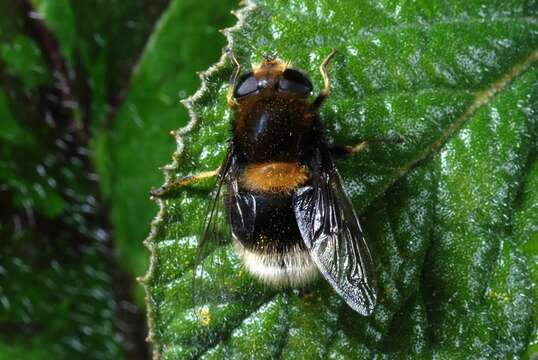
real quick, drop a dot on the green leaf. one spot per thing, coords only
(22, 58)
(442, 212)
(101, 41)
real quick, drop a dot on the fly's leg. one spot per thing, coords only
(230, 98)
(348, 150)
(176, 185)
(326, 81)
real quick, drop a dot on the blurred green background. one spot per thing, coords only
(89, 92)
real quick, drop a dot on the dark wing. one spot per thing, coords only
(331, 231)
(220, 285)
(213, 259)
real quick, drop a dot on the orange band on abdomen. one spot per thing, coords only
(274, 177)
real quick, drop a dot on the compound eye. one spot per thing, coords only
(295, 81)
(247, 84)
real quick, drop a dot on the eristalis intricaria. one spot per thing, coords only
(286, 210)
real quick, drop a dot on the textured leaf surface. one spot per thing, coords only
(449, 214)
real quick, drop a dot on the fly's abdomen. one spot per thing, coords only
(264, 226)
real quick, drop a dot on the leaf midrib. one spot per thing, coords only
(482, 98)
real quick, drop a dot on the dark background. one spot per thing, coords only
(89, 90)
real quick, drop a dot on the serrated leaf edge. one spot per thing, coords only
(246, 7)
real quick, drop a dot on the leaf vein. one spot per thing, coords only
(481, 99)
(372, 31)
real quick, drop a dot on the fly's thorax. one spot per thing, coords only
(274, 127)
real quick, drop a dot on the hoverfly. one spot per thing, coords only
(281, 194)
